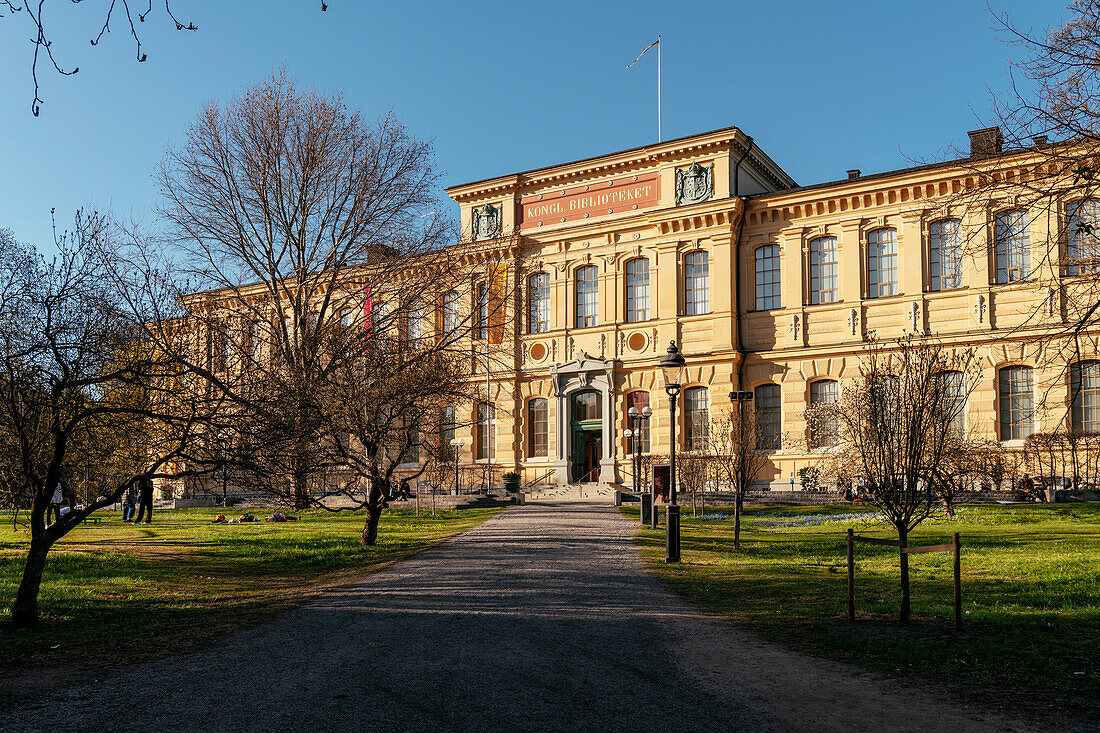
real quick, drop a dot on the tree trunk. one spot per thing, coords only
(24, 613)
(376, 502)
(904, 557)
(301, 491)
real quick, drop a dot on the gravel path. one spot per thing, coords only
(541, 619)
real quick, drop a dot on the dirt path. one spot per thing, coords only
(541, 619)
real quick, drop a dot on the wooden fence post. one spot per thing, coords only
(958, 585)
(851, 578)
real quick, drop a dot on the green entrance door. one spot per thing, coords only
(586, 437)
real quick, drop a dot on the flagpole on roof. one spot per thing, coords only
(658, 87)
(656, 43)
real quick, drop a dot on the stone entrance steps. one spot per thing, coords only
(572, 492)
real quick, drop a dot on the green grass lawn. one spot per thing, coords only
(116, 593)
(1030, 583)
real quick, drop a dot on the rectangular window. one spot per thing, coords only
(411, 453)
(538, 308)
(450, 313)
(637, 290)
(482, 312)
(1083, 237)
(882, 262)
(823, 417)
(587, 296)
(768, 417)
(696, 283)
(1085, 394)
(767, 277)
(1016, 402)
(1013, 246)
(696, 419)
(945, 254)
(415, 323)
(447, 424)
(539, 434)
(823, 270)
(486, 430)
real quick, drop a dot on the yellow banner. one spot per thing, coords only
(497, 294)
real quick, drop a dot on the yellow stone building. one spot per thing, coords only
(765, 286)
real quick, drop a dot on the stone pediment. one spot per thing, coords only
(583, 372)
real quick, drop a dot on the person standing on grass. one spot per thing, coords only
(53, 514)
(145, 501)
(128, 502)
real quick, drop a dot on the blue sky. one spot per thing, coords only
(506, 86)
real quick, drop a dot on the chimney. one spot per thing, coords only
(1039, 141)
(986, 142)
(853, 174)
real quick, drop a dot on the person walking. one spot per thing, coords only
(145, 501)
(128, 502)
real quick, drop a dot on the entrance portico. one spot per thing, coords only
(585, 424)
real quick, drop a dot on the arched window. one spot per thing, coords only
(1083, 237)
(769, 417)
(586, 406)
(639, 400)
(767, 277)
(1085, 394)
(587, 296)
(823, 418)
(637, 290)
(945, 254)
(538, 434)
(953, 388)
(823, 270)
(486, 430)
(1013, 246)
(696, 418)
(538, 303)
(450, 313)
(1016, 402)
(696, 283)
(882, 262)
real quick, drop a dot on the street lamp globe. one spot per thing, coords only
(633, 413)
(672, 368)
(647, 412)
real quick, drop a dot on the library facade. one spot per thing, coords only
(765, 286)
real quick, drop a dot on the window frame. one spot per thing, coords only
(767, 282)
(696, 418)
(766, 438)
(647, 445)
(881, 263)
(538, 428)
(1084, 398)
(636, 313)
(696, 283)
(936, 259)
(486, 431)
(538, 302)
(1002, 249)
(830, 437)
(1005, 408)
(817, 264)
(587, 298)
(1073, 264)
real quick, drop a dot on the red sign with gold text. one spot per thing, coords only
(617, 196)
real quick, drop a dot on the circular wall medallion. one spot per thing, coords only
(538, 351)
(637, 341)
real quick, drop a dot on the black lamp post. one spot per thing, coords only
(672, 368)
(635, 434)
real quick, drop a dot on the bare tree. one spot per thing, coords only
(898, 422)
(738, 457)
(693, 472)
(333, 310)
(81, 387)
